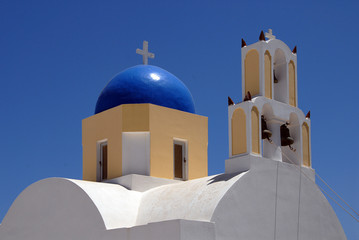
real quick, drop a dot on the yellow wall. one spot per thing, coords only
(268, 74)
(255, 130)
(292, 90)
(135, 118)
(306, 146)
(239, 136)
(105, 125)
(164, 124)
(251, 71)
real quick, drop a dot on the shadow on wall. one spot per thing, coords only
(223, 177)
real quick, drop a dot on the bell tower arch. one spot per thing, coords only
(280, 73)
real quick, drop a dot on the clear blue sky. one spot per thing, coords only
(56, 56)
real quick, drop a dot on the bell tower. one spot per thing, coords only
(268, 123)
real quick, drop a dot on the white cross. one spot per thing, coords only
(269, 34)
(145, 53)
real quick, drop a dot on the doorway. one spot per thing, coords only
(180, 159)
(102, 160)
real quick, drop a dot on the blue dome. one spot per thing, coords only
(145, 84)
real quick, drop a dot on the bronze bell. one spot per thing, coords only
(286, 139)
(266, 133)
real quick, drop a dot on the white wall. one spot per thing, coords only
(136, 153)
(274, 201)
(270, 201)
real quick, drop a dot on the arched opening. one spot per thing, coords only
(292, 88)
(280, 85)
(306, 146)
(268, 74)
(291, 155)
(239, 136)
(271, 150)
(251, 72)
(255, 130)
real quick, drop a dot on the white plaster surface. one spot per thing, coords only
(270, 201)
(191, 200)
(265, 205)
(117, 206)
(136, 153)
(238, 163)
(141, 183)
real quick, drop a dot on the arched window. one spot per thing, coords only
(251, 72)
(292, 88)
(255, 130)
(239, 136)
(268, 74)
(306, 146)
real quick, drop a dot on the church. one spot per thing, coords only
(145, 164)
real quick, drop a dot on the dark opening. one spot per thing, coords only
(178, 152)
(104, 161)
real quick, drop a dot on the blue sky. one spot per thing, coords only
(56, 56)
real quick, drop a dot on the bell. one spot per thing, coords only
(275, 77)
(286, 139)
(266, 133)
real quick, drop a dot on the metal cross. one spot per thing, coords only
(145, 53)
(269, 34)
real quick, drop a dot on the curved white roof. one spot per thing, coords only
(272, 198)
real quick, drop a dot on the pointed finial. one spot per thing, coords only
(230, 101)
(243, 43)
(294, 50)
(308, 115)
(247, 97)
(261, 37)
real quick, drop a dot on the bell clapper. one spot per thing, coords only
(291, 148)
